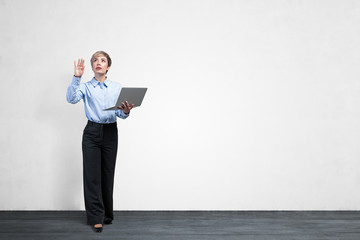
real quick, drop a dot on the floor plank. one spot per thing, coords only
(176, 225)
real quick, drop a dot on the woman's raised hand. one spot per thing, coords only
(79, 67)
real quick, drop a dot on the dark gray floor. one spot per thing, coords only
(194, 225)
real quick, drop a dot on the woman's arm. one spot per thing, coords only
(74, 93)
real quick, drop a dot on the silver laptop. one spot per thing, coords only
(132, 95)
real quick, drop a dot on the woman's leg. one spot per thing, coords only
(108, 160)
(91, 146)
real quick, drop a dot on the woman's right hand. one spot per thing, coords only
(79, 67)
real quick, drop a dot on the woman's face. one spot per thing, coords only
(100, 64)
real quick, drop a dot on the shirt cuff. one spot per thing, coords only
(76, 80)
(120, 113)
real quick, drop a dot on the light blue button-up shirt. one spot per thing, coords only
(97, 96)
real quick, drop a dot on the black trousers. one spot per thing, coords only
(99, 145)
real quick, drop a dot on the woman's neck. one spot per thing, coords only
(100, 77)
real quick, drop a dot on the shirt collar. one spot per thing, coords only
(94, 82)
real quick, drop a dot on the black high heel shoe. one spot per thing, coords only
(97, 230)
(108, 222)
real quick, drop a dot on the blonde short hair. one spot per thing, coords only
(101, 53)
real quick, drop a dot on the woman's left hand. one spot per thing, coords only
(126, 107)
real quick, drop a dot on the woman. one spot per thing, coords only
(100, 137)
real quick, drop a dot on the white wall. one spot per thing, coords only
(252, 105)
